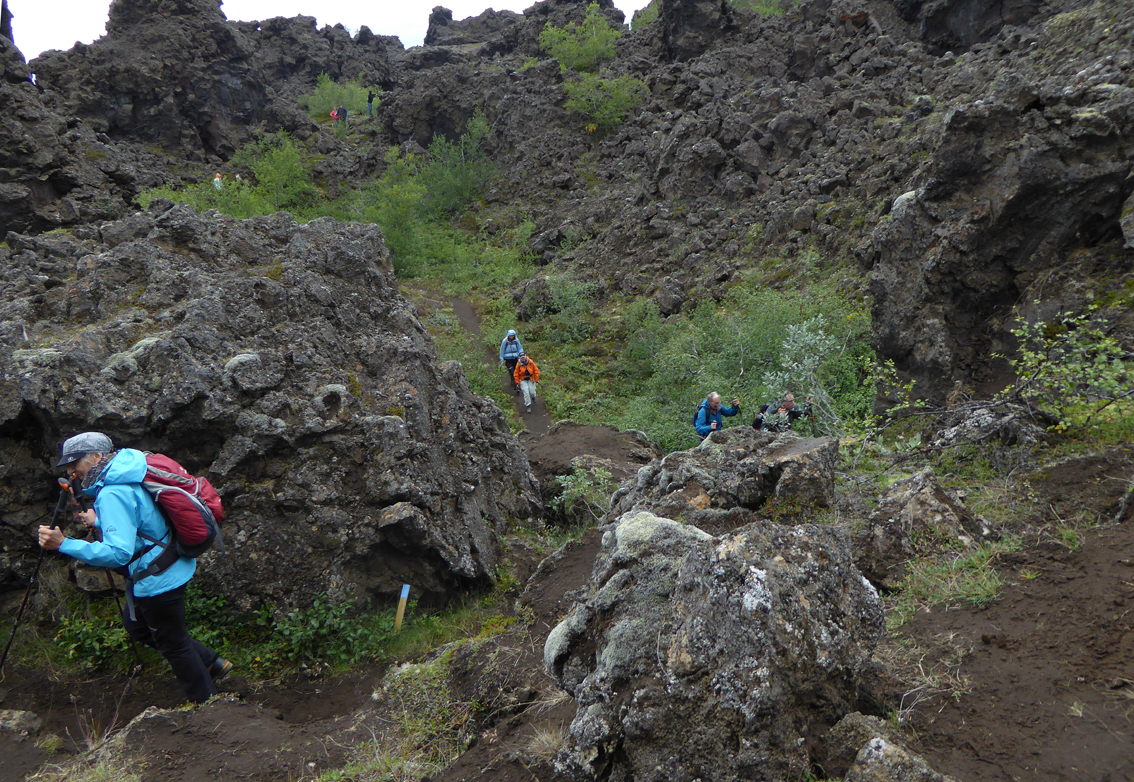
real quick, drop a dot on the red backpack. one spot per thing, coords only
(190, 505)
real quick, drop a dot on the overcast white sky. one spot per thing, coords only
(38, 25)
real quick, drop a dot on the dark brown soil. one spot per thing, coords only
(1042, 687)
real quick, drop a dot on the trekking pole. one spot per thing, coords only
(109, 580)
(60, 506)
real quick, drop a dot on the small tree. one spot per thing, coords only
(581, 47)
(645, 16)
(457, 171)
(281, 178)
(605, 102)
(1071, 368)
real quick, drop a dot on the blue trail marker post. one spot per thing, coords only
(401, 608)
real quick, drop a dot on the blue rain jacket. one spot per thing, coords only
(511, 349)
(124, 508)
(705, 418)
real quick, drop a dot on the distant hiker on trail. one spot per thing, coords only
(510, 352)
(708, 418)
(339, 115)
(780, 415)
(527, 375)
(126, 515)
(334, 118)
(370, 103)
(217, 183)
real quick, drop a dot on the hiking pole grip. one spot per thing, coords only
(60, 506)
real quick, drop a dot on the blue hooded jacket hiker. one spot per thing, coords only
(510, 347)
(710, 413)
(124, 511)
(510, 352)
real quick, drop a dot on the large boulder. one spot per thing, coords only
(916, 516)
(692, 656)
(692, 26)
(738, 469)
(279, 359)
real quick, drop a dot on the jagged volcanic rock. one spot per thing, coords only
(279, 359)
(738, 469)
(693, 657)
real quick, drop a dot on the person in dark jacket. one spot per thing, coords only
(370, 103)
(709, 414)
(124, 511)
(780, 415)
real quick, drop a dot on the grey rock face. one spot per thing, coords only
(736, 468)
(279, 359)
(867, 749)
(691, 26)
(691, 656)
(1004, 217)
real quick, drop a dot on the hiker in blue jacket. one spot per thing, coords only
(124, 511)
(709, 414)
(510, 352)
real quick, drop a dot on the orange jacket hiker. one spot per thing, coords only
(526, 369)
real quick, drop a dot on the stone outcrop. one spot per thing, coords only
(1018, 212)
(280, 360)
(945, 26)
(737, 469)
(490, 25)
(916, 516)
(54, 170)
(693, 656)
(203, 95)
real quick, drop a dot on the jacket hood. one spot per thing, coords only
(510, 333)
(129, 466)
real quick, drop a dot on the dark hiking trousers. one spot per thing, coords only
(161, 624)
(511, 364)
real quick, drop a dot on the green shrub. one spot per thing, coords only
(645, 16)
(281, 177)
(1071, 368)
(572, 307)
(457, 171)
(93, 639)
(397, 205)
(282, 182)
(584, 495)
(605, 102)
(330, 94)
(327, 632)
(581, 47)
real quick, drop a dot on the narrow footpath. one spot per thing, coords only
(538, 421)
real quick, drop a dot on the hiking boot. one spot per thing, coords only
(220, 668)
(529, 408)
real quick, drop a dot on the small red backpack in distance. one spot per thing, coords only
(191, 506)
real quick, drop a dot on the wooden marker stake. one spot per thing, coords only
(401, 608)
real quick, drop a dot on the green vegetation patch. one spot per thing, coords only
(581, 47)
(329, 95)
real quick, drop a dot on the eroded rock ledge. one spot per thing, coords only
(280, 359)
